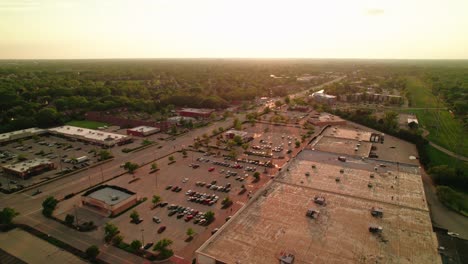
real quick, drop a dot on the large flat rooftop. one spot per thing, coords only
(144, 129)
(21, 133)
(274, 221)
(109, 195)
(343, 146)
(348, 133)
(90, 134)
(27, 165)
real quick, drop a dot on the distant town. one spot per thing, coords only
(232, 162)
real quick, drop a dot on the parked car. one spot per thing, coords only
(156, 219)
(148, 245)
(161, 229)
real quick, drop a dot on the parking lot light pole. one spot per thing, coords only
(142, 237)
(102, 175)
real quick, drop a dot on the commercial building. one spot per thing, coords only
(96, 137)
(195, 112)
(177, 120)
(20, 134)
(349, 147)
(306, 78)
(324, 119)
(230, 134)
(142, 131)
(28, 168)
(322, 97)
(276, 225)
(109, 199)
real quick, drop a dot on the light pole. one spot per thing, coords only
(142, 237)
(76, 215)
(102, 175)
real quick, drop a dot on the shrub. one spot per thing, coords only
(48, 206)
(92, 252)
(69, 219)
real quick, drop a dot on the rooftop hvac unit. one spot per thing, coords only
(114, 197)
(286, 258)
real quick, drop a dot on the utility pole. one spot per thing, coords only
(76, 215)
(102, 175)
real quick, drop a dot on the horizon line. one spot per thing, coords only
(234, 58)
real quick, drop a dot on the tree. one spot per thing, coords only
(130, 167)
(156, 200)
(390, 121)
(287, 100)
(21, 157)
(209, 216)
(135, 216)
(238, 140)
(161, 246)
(110, 230)
(117, 239)
(171, 158)
(7, 215)
(92, 252)
(226, 202)
(245, 146)
(184, 153)
(190, 232)
(278, 103)
(298, 143)
(136, 245)
(48, 206)
(146, 142)
(154, 166)
(104, 155)
(69, 219)
(233, 154)
(237, 124)
(256, 176)
(47, 117)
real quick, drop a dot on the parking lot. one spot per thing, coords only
(208, 181)
(277, 140)
(60, 151)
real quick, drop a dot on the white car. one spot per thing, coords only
(453, 234)
(185, 180)
(156, 219)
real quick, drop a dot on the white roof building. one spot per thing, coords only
(15, 135)
(90, 135)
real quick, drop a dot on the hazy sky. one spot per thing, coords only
(426, 29)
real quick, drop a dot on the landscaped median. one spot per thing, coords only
(112, 235)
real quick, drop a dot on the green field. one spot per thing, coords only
(444, 129)
(86, 124)
(437, 158)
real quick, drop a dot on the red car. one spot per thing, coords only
(161, 229)
(188, 218)
(211, 169)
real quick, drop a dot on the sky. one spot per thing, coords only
(80, 29)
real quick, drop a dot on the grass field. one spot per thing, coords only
(420, 93)
(437, 158)
(444, 129)
(86, 124)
